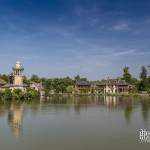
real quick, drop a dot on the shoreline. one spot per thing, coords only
(127, 95)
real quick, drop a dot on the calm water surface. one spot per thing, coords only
(74, 123)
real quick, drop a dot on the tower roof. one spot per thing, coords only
(18, 65)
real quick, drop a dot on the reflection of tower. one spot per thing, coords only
(15, 117)
(17, 73)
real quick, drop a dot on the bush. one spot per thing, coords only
(70, 89)
(31, 94)
(6, 95)
(17, 94)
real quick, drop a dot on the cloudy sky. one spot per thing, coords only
(93, 38)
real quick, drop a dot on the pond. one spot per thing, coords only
(74, 123)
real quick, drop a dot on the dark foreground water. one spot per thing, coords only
(75, 123)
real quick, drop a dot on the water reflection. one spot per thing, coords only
(145, 105)
(15, 119)
(15, 112)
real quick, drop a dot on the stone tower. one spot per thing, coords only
(18, 74)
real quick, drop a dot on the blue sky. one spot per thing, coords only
(93, 38)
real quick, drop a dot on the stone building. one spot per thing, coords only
(15, 78)
(38, 87)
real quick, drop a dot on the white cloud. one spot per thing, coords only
(121, 27)
(125, 52)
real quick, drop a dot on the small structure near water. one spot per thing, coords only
(38, 87)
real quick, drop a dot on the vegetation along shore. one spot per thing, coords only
(18, 86)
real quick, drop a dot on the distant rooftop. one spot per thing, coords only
(2, 82)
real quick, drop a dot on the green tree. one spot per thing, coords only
(77, 78)
(59, 85)
(35, 78)
(26, 81)
(126, 75)
(18, 94)
(7, 95)
(143, 85)
(48, 85)
(31, 94)
(70, 89)
(143, 74)
(68, 81)
(4, 77)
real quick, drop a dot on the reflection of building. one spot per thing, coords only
(15, 119)
(16, 78)
(110, 86)
(110, 101)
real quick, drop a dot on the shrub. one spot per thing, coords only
(6, 95)
(31, 94)
(17, 94)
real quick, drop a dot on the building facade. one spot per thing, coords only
(109, 86)
(15, 80)
(38, 87)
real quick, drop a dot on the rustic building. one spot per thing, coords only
(109, 86)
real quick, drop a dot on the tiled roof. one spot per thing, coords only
(110, 82)
(2, 82)
(83, 83)
(11, 85)
(38, 85)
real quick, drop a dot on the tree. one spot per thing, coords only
(26, 81)
(35, 78)
(31, 94)
(143, 85)
(7, 95)
(77, 78)
(143, 74)
(68, 81)
(4, 77)
(59, 85)
(126, 75)
(70, 89)
(17, 94)
(48, 85)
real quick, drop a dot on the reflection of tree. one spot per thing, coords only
(145, 104)
(128, 112)
(77, 108)
(4, 106)
(80, 102)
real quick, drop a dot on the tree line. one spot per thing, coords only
(66, 84)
